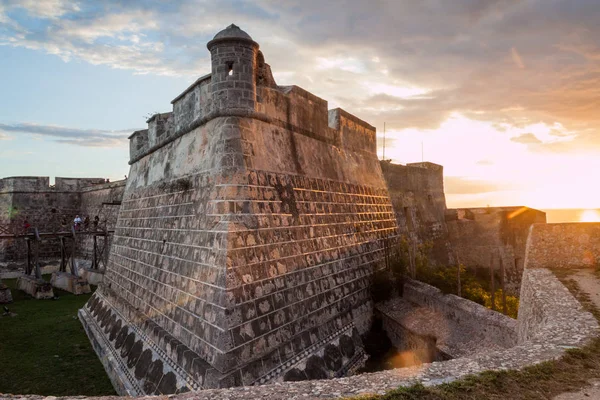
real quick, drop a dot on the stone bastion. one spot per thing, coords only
(550, 321)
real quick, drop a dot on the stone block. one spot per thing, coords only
(37, 288)
(70, 283)
(92, 276)
(5, 295)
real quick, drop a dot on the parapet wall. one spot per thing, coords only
(473, 321)
(565, 245)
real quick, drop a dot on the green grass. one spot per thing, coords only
(571, 372)
(44, 349)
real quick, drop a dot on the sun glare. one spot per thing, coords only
(590, 216)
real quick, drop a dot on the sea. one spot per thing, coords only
(572, 215)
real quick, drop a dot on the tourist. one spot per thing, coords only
(86, 223)
(96, 222)
(26, 226)
(77, 222)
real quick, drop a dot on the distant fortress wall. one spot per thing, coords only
(45, 206)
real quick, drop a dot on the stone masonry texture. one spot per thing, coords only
(250, 224)
(566, 245)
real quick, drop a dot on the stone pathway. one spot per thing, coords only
(589, 283)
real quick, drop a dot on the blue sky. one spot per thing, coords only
(503, 93)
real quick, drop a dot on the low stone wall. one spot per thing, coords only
(459, 326)
(564, 245)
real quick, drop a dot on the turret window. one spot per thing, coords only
(230, 68)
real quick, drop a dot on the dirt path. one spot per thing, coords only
(589, 283)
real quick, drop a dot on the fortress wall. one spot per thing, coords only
(243, 247)
(284, 296)
(489, 235)
(103, 201)
(417, 193)
(564, 245)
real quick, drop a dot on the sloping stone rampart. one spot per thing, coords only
(245, 240)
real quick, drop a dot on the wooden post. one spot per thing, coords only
(459, 291)
(63, 261)
(38, 271)
(503, 272)
(28, 268)
(94, 256)
(493, 286)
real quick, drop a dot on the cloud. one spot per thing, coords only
(485, 163)
(60, 134)
(526, 138)
(44, 8)
(411, 64)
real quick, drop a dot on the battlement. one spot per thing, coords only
(241, 85)
(42, 184)
(423, 176)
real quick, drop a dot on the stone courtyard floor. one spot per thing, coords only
(44, 349)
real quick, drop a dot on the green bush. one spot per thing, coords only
(445, 278)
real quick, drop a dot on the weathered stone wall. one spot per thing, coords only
(245, 240)
(417, 193)
(565, 245)
(494, 236)
(42, 205)
(460, 327)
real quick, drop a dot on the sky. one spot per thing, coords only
(505, 94)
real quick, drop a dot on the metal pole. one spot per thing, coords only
(383, 141)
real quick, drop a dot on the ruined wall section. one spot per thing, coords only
(417, 193)
(564, 245)
(489, 235)
(243, 247)
(44, 206)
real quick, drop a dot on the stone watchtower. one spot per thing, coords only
(250, 224)
(233, 56)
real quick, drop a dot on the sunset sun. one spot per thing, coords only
(590, 216)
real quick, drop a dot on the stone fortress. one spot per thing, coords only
(246, 235)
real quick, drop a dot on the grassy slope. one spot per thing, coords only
(44, 349)
(542, 381)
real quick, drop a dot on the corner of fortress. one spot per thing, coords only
(250, 224)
